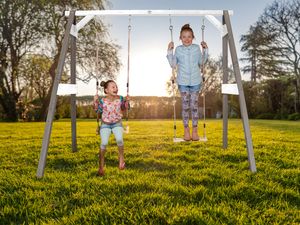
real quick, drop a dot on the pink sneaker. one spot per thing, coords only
(195, 136)
(187, 136)
(122, 166)
(101, 172)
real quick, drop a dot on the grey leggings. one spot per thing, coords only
(190, 103)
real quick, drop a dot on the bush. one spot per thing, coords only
(266, 116)
(294, 116)
(281, 116)
(56, 116)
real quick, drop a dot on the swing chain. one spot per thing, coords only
(202, 64)
(129, 23)
(170, 20)
(128, 70)
(173, 80)
(203, 79)
(128, 56)
(203, 26)
(171, 27)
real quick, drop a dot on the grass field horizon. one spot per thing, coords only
(163, 183)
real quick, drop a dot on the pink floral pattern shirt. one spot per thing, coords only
(111, 110)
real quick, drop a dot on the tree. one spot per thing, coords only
(20, 30)
(34, 75)
(30, 26)
(259, 48)
(272, 46)
(88, 41)
(34, 72)
(282, 19)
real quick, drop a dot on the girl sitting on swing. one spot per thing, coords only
(188, 58)
(111, 107)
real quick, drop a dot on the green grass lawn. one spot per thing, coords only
(163, 183)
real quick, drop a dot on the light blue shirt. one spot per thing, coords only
(188, 60)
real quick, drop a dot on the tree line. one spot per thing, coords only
(31, 38)
(141, 107)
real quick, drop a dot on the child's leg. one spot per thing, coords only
(121, 158)
(101, 162)
(118, 132)
(104, 133)
(195, 114)
(185, 97)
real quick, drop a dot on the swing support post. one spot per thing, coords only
(53, 100)
(73, 96)
(225, 81)
(242, 101)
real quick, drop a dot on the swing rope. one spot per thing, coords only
(97, 77)
(128, 71)
(203, 79)
(173, 79)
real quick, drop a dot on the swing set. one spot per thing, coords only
(71, 33)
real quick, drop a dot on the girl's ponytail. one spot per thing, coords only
(104, 84)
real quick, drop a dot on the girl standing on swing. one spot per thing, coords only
(111, 107)
(188, 58)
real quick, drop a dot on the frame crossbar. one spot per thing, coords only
(148, 12)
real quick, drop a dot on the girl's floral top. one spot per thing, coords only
(111, 110)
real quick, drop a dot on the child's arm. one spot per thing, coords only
(205, 51)
(171, 58)
(98, 104)
(125, 103)
(205, 55)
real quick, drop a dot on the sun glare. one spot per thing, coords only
(149, 73)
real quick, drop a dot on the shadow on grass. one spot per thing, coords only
(235, 160)
(150, 165)
(68, 164)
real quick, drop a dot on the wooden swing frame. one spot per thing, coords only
(71, 33)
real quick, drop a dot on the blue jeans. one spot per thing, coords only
(107, 129)
(187, 88)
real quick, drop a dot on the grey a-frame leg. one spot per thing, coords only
(225, 81)
(52, 105)
(73, 96)
(242, 101)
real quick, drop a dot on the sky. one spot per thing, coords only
(149, 68)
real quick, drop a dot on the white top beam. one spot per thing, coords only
(148, 12)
